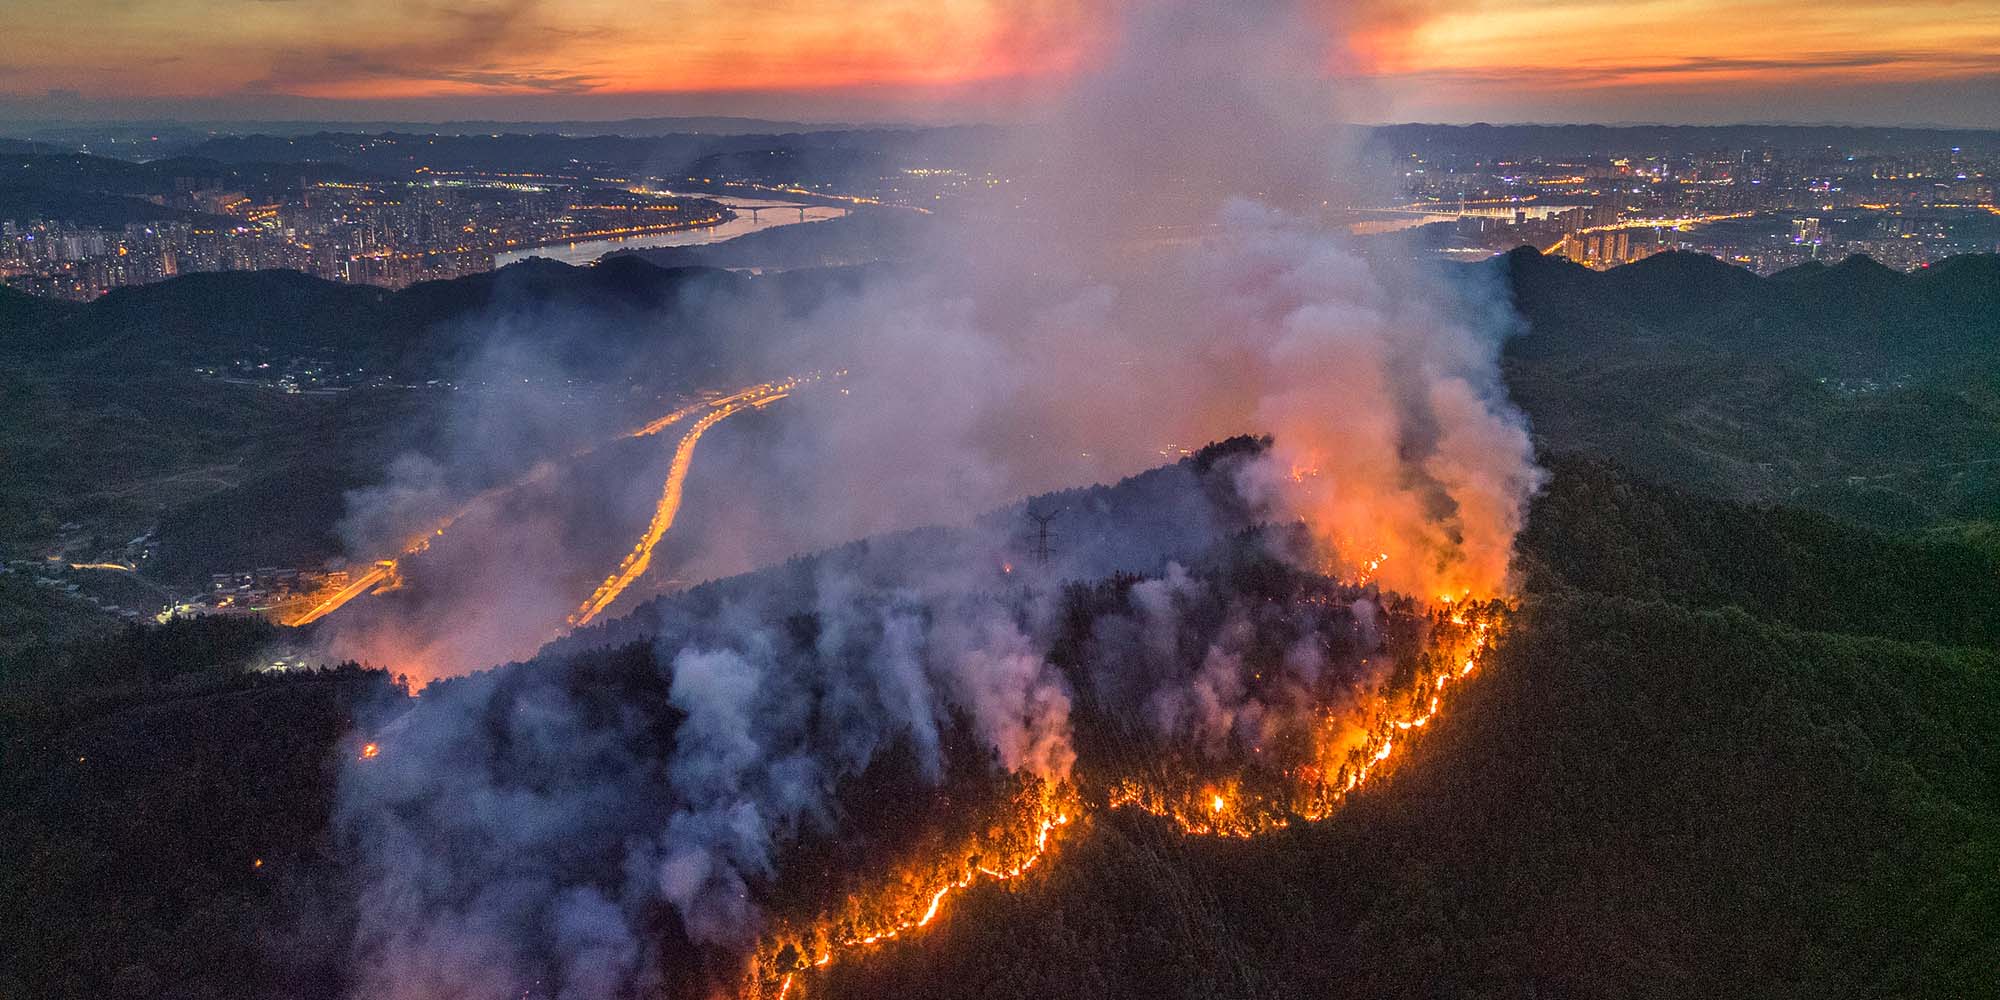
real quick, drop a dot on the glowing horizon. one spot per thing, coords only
(1887, 61)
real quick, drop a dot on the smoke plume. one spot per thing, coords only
(1158, 274)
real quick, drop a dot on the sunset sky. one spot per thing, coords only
(1875, 61)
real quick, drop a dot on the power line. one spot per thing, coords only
(1041, 541)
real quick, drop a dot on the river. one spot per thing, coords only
(585, 251)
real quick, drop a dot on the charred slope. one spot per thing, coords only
(1132, 526)
(1664, 785)
(1639, 799)
(1672, 780)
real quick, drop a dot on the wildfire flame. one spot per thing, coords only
(1348, 749)
(915, 899)
(1337, 764)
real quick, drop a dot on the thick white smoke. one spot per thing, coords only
(1159, 274)
(1158, 277)
(516, 829)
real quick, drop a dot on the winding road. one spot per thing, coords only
(719, 408)
(641, 557)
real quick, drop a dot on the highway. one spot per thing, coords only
(754, 396)
(359, 586)
(640, 558)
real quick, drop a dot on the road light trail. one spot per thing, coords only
(641, 557)
(130, 571)
(747, 393)
(385, 569)
(359, 586)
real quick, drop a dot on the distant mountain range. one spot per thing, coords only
(416, 333)
(51, 129)
(275, 162)
(1851, 388)
(1642, 140)
(147, 140)
(1848, 319)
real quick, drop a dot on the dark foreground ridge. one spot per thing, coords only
(1681, 775)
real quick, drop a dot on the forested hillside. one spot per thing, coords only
(1639, 799)
(1685, 772)
(1852, 389)
(155, 406)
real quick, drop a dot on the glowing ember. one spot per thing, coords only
(872, 919)
(370, 751)
(1339, 762)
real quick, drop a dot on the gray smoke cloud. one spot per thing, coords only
(1159, 273)
(1158, 276)
(519, 835)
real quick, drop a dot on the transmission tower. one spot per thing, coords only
(1041, 538)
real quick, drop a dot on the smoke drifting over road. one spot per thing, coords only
(1158, 279)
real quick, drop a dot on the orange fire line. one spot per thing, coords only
(1043, 832)
(1128, 795)
(1481, 641)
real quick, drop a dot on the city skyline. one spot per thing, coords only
(1693, 61)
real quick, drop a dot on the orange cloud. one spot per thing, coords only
(1422, 53)
(1607, 42)
(388, 48)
